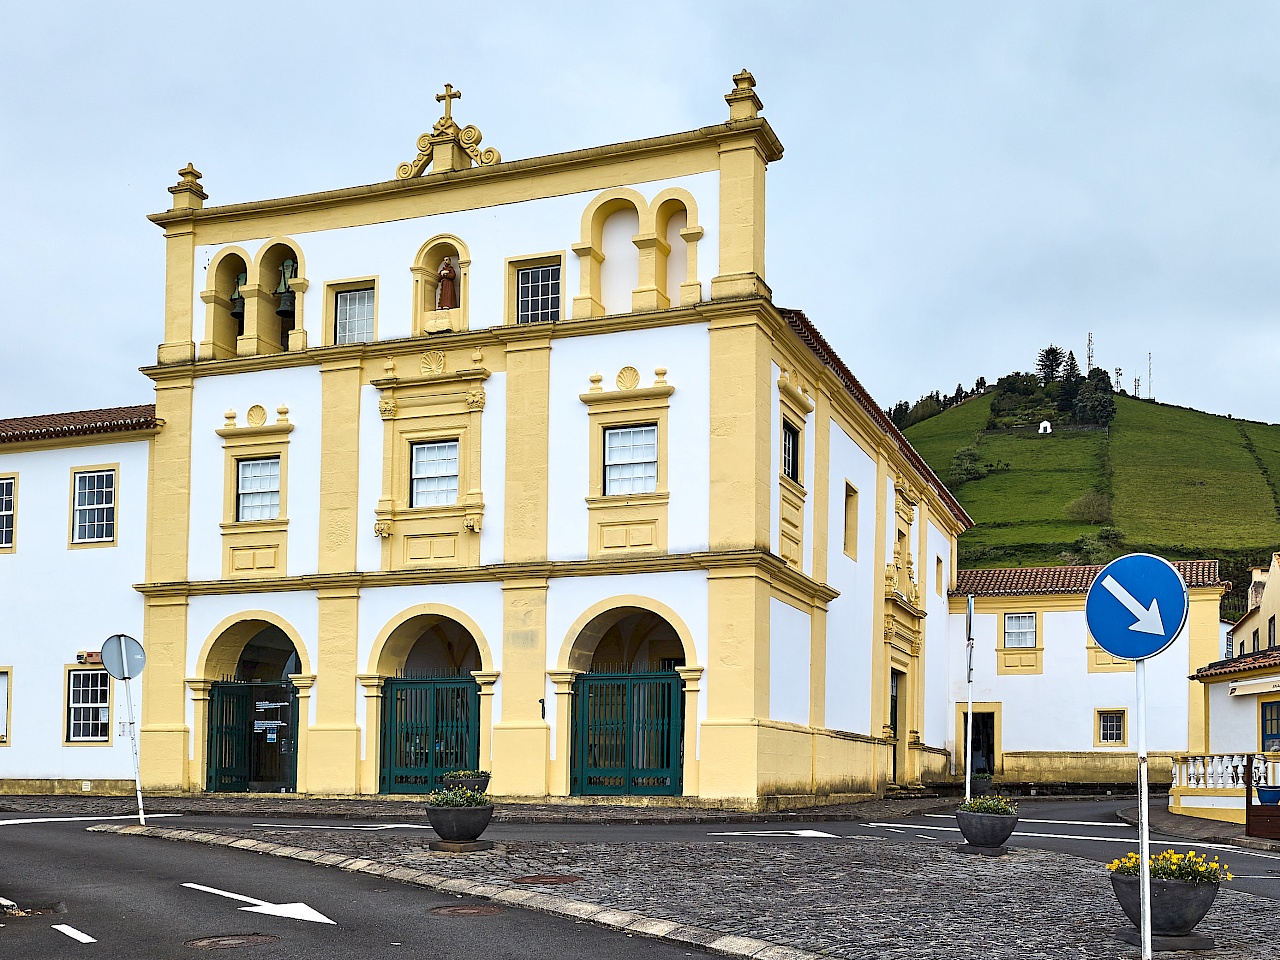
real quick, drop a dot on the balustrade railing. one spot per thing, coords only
(1224, 771)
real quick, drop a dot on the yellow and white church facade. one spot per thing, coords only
(508, 464)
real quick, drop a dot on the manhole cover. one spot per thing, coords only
(231, 941)
(468, 910)
(548, 878)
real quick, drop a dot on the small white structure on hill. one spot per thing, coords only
(1046, 426)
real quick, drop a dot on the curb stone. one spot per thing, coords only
(731, 945)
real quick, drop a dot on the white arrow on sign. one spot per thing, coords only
(1148, 618)
(775, 833)
(293, 911)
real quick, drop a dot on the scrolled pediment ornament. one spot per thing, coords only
(467, 137)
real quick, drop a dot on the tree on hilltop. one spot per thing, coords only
(1049, 363)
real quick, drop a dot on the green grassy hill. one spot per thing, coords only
(1182, 483)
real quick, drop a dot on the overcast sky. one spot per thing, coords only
(963, 182)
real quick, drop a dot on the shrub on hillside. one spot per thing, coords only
(1093, 508)
(966, 465)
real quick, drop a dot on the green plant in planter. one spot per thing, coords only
(990, 804)
(458, 797)
(982, 776)
(1190, 867)
(468, 775)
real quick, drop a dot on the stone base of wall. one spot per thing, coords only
(40, 787)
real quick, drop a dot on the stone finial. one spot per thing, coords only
(660, 376)
(282, 414)
(230, 418)
(742, 99)
(596, 380)
(188, 194)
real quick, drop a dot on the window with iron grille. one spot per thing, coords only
(434, 473)
(538, 294)
(258, 489)
(1111, 726)
(790, 451)
(354, 316)
(631, 459)
(88, 705)
(7, 485)
(95, 507)
(1271, 632)
(1019, 629)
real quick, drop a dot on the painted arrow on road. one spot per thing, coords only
(1148, 618)
(292, 911)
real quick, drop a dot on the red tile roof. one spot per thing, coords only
(809, 335)
(79, 423)
(1249, 661)
(1018, 581)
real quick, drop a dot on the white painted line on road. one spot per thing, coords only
(334, 826)
(7, 904)
(776, 833)
(126, 816)
(1074, 823)
(73, 933)
(293, 911)
(892, 829)
(923, 837)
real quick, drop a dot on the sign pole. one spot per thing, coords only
(968, 717)
(133, 740)
(1144, 816)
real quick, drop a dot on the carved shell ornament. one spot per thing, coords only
(257, 415)
(433, 363)
(628, 378)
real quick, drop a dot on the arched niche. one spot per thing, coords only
(623, 201)
(228, 270)
(450, 635)
(675, 226)
(630, 631)
(221, 656)
(428, 317)
(265, 330)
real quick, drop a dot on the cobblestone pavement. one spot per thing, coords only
(399, 808)
(852, 898)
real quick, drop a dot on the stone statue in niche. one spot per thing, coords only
(448, 289)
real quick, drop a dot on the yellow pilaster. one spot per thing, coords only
(883, 555)
(197, 769)
(692, 677)
(339, 464)
(528, 400)
(304, 683)
(486, 679)
(1203, 649)
(742, 176)
(562, 767)
(163, 746)
(370, 763)
(521, 741)
(333, 745)
(740, 435)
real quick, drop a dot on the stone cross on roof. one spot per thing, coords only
(448, 147)
(448, 96)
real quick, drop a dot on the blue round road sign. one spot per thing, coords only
(1136, 606)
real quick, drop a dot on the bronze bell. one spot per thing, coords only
(237, 299)
(288, 270)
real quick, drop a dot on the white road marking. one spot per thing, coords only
(327, 826)
(923, 837)
(73, 933)
(891, 829)
(126, 816)
(776, 833)
(1076, 823)
(7, 904)
(293, 911)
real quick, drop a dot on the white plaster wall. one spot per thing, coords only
(492, 234)
(790, 644)
(568, 598)
(1233, 721)
(56, 601)
(851, 626)
(620, 269)
(685, 352)
(1055, 710)
(369, 546)
(297, 388)
(809, 475)
(678, 258)
(937, 638)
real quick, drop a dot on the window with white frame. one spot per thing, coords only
(88, 706)
(631, 459)
(1019, 629)
(95, 507)
(538, 294)
(353, 316)
(7, 485)
(1111, 726)
(434, 474)
(791, 451)
(258, 489)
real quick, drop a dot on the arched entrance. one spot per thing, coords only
(253, 711)
(628, 705)
(431, 706)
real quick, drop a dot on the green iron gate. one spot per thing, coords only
(429, 728)
(628, 734)
(253, 737)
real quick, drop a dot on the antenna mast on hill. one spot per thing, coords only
(1119, 378)
(1137, 386)
(1149, 394)
(1088, 363)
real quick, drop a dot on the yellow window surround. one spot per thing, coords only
(72, 542)
(432, 404)
(795, 407)
(67, 670)
(1124, 727)
(12, 545)
(850, 521)
(6, 680)
(512, 268)
(254, 548)
(1020, 660)
(1102, 662)
(631, 523)
(329, 335)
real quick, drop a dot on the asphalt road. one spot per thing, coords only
(127, 894)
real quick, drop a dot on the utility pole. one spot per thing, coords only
(1119, 377)
(1088, 363)
(1149, 393)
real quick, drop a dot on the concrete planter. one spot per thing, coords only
(981, 786)
(459, 824)
(478, 784)
(1176, 905)
(988, 830)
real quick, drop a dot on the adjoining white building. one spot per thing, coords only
(73, 524)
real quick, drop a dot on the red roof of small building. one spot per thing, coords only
(1018, 581)
(78, 423)
(1248, 661)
